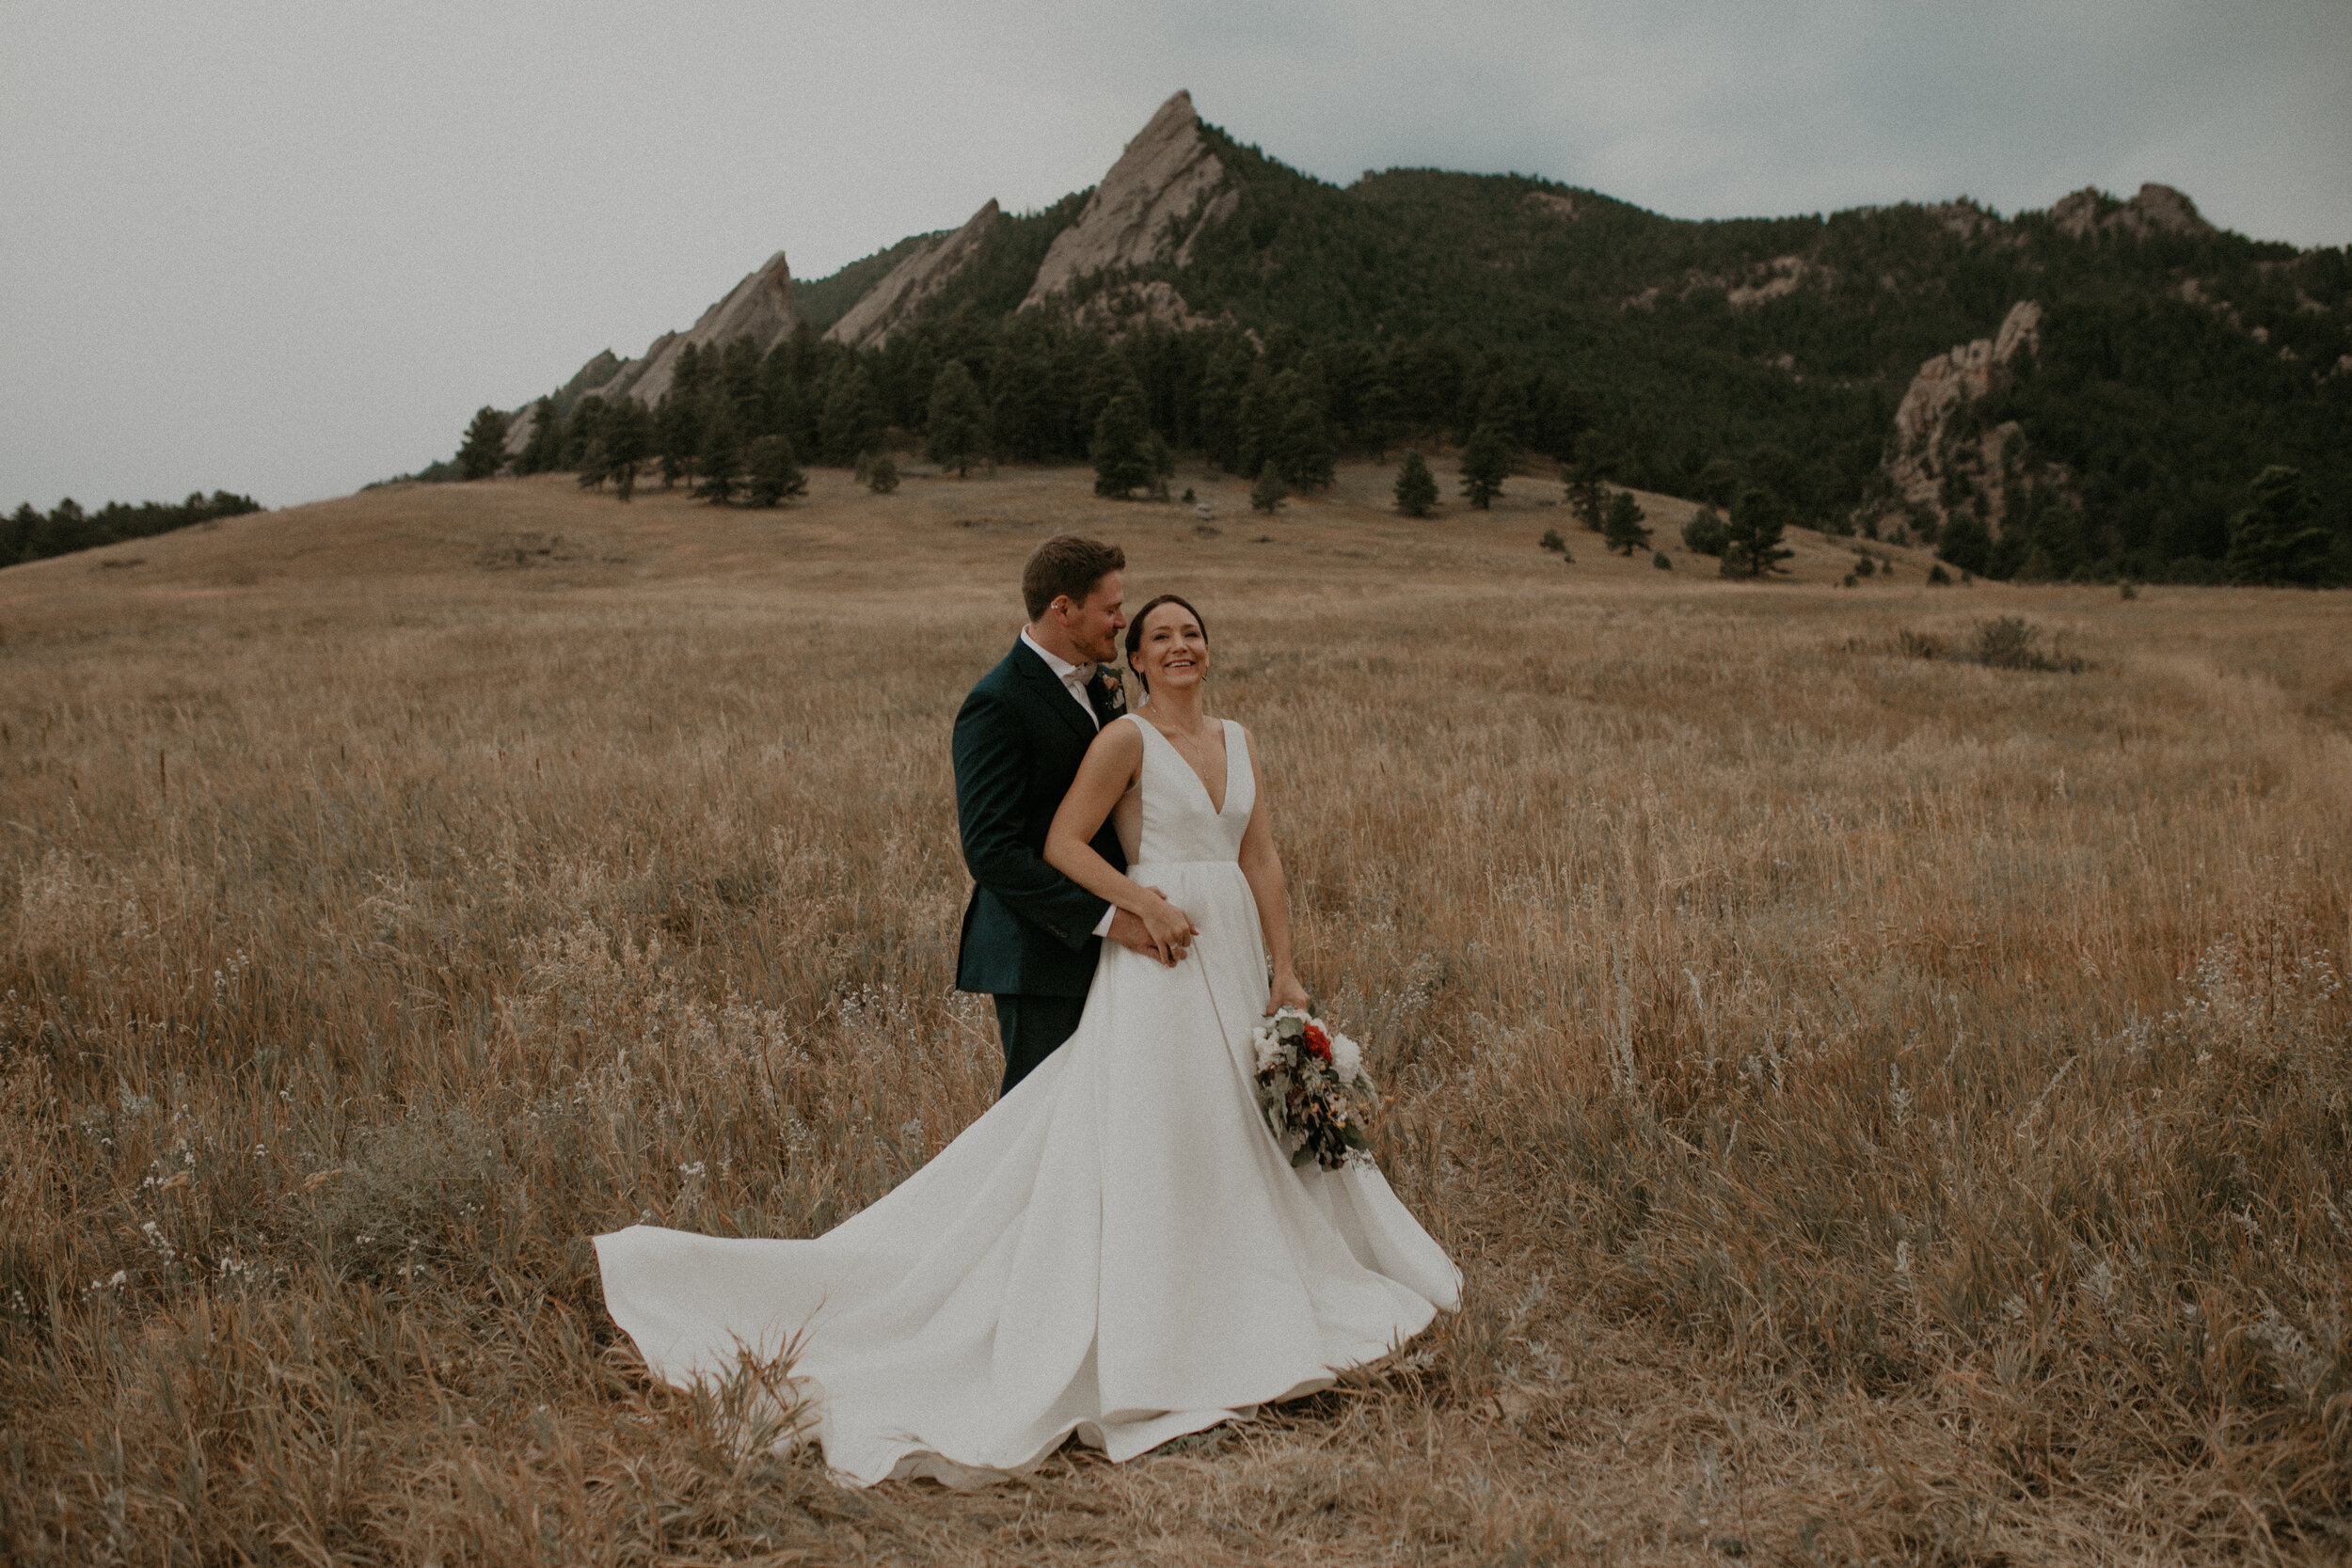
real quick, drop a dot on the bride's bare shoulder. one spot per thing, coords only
(1119, 742)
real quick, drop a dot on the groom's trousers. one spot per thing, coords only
(1031, 1027)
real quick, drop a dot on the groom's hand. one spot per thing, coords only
(1133, 934)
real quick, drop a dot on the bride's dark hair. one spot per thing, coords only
(1134, 630)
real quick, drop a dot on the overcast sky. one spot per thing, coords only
(289, 247)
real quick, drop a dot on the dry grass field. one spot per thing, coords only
(1888, 1109)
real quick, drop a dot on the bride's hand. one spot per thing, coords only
(1171, 929)
(1287, 993)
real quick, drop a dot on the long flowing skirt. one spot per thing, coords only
(1117, 1248)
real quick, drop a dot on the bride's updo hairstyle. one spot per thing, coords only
(1134, 630)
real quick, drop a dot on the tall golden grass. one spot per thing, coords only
(1887, 1108)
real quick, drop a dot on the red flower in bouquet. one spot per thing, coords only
(1318, 1101)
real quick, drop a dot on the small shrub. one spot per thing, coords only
(1864, 566)
(1662, 561)
(882, 475)
(2008, 642)
(2130, 589)
(1189, 495)
(1551, 541)
(1938, 576)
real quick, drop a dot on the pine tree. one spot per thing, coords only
(596, 464)
(1122, 461)
(771, 475)
(580, 430)
(1303, 443)
(881, 473)
(1587, 496)
(1022, 408)
(739, 382)
(1622, 529)
(1256, 429)
(1754, 546)
(678, 432)
(1965, 542)
(851, 424)
(2277, 539)
(1162, 463)
(1416, 487)
(1222, 387)
(17, 534)
(1485, 465)
(483, 451)
(545, 441)
(627, 442)
(956, 434)
(1378, 414)
(720, 458)
(1267, 494)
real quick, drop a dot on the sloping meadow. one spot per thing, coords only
(1886, 1108)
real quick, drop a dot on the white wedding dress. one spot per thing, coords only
(1118, 1248)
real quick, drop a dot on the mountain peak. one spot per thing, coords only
(2155, 210)
(893, 302)
(1158, 185)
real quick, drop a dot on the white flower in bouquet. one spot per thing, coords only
(1347, 1059)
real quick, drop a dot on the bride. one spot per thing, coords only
(1118, 1248)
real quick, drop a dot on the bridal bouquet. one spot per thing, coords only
(1314, 1089)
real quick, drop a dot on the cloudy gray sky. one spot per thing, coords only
(286, 246)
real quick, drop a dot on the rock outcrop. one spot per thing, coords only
(1779, 277)
(761, 307)
(1164, 191)
(893, 302)
(2157, 209)
(590, 377)
(1939, 458)
(1118, 311)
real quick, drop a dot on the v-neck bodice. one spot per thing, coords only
(1179, 822)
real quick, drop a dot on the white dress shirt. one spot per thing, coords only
(1073, 678)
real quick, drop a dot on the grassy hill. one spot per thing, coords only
(1886, 1107)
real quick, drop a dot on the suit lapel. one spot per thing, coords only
(1051, 691)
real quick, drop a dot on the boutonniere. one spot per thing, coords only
(1116, 698)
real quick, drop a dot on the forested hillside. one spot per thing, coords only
(30, 534)
(1756, 361)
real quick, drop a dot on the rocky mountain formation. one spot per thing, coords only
(759, 307)
(906, 288)
(1829, 339)
(1166, 190)
(1939, 460)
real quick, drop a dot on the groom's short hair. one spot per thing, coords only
(1067, 564)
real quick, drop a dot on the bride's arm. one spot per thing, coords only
(1108, 770)
(1263, 865)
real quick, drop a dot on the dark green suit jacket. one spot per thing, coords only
(1029, 930)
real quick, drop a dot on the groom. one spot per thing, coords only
(1030, 934)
